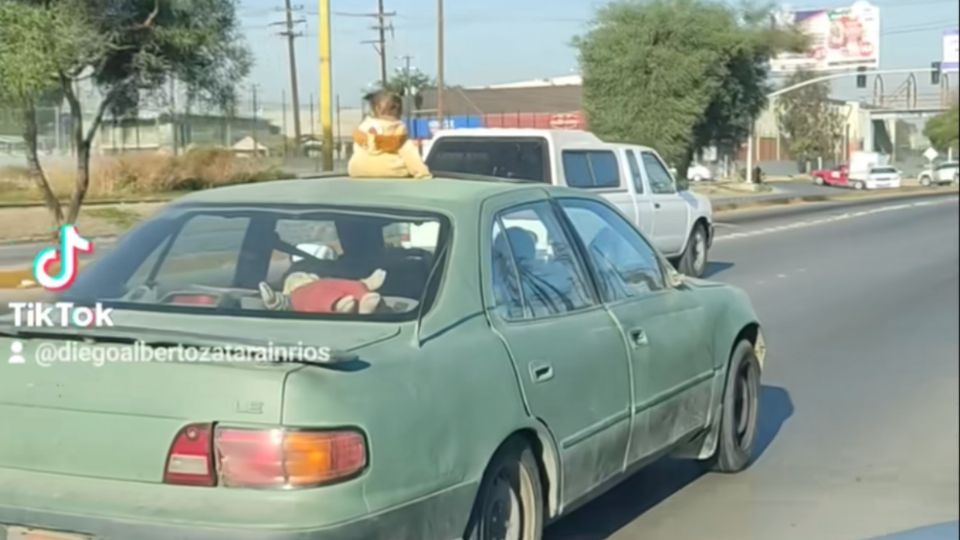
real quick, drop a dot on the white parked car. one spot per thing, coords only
(634, 178)
(699, 173)
(947, 172)
(883, 177)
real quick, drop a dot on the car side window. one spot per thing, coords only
(591, 169)
(661, 182)
(635, 171)
(624, 263)
(536, 272)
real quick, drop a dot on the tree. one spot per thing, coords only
(410, 82)
(942, 130)
(812, 125)
(678, 75)
(128, 49)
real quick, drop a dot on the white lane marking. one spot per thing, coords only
(782, 276)
(830, 219)
(720, 225)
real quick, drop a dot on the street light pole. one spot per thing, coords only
(440, 62)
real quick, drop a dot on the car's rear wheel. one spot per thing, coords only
(741, 407)
(859, 186)
(818, 181)
(925, 181)
(693, 262)
(509, 505)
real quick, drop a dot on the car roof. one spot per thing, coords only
(444, 193)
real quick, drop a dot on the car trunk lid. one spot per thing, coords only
(79, 404)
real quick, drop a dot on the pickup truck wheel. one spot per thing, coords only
(509, 505)
(693, 262)
(925, 181)
(859, 186)
(741, 404)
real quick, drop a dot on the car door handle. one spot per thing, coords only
(638, 337)
(541, 372)
(656, 205)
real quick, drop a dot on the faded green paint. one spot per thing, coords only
(84, 448)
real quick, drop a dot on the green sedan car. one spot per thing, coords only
(357, 359)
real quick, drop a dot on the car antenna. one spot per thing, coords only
(438, 260)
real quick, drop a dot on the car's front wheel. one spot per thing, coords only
(693, 262)
(509, 505)
(741, 407)
(859, 186)
(925, 181)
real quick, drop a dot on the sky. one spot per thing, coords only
(497, 41)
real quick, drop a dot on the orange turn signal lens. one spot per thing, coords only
(281, 458)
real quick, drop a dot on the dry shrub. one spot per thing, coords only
(150, 173)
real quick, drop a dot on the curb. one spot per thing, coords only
(721, 208)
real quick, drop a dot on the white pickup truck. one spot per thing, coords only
(634, 178)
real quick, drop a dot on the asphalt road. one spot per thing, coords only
(859, 422)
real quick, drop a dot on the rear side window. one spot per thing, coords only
(591, 169)
(520, 158)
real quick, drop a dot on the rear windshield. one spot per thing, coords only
(883, 170)
(285, 261)
(521, 158)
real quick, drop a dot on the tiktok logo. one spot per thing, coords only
(71, 245)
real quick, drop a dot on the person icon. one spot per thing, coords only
(16, 353)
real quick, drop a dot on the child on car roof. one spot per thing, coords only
(381, 146)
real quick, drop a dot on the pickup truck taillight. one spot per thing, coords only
(264, 458)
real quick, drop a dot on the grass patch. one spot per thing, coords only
(119, 217)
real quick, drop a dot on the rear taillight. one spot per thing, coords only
(281, 458)
(190, 461)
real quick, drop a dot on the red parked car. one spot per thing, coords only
(837, 176)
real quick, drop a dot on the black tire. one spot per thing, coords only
(818, 181)
(859, 186)
(693, 262)
(925, 181)
(511, 478)
(741, 408)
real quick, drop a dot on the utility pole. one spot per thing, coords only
(291, 36)
(283, 108)
(408, 91)
(380, 44)
(440, 63)
(326, 83)
(173, 114)
(313, 125)
(256, 144)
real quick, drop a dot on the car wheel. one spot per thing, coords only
(693, 262)
(818, 181)
(859, 186)
(741, 404)
(925, 181)
(509, 505)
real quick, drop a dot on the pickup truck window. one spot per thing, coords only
(591, 169)
(521, 158)
(660, 180)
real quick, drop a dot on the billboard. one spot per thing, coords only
(951, 50)
(840, 39)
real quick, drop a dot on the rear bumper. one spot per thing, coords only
(441, 515)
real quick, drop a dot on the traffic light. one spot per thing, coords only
(861, 79)
(935, 73)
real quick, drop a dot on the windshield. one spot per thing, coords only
(883, 170)
(282, 261)
(505, 157)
